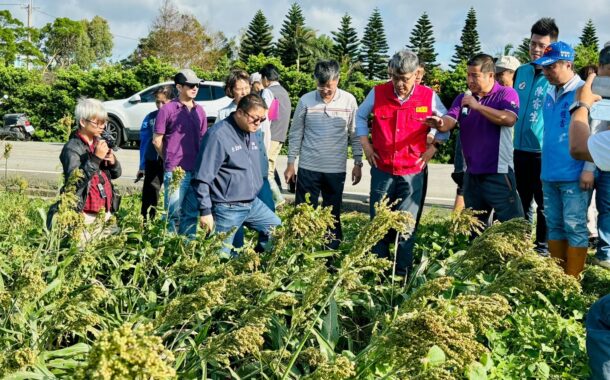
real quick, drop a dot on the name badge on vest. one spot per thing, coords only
(422, 109)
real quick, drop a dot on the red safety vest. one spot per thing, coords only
(399, 132)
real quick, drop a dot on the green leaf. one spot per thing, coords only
(64, 363)
(487, 361)
(319, 254)
(325, 347)
(22, 375)
(435, 356)
(330, 325)
(542, 370)
(476, 371)
(77, 349)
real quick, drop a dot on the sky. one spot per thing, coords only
(499, 23)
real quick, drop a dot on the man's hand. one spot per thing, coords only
(587, 180)
(369, 152)
(585, 94)
(426, 156)
(139, 176)
(356, 174)
(207, 223)
(470, 101)
(289, 173)
(101, 149)
(110, 158)
(434, 122)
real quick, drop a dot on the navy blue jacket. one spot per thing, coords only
(147, 149)
(228, 167)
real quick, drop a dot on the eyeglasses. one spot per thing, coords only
(96, 123)
(403, 78)
(253, 119)
(191, 85)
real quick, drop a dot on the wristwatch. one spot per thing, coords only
(577, 104)
(360, 164)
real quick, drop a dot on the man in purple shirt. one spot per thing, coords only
(179, 127)
(486, 114)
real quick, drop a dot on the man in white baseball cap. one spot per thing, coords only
(506, 66)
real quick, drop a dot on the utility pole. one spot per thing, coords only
(30, 9)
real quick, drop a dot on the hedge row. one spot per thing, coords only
(49, 97)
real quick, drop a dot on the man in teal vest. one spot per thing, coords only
(531, 86)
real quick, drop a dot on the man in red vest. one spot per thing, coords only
(399, 150)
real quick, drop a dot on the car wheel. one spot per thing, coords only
(115, 131)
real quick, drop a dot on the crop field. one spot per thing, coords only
(144, 304)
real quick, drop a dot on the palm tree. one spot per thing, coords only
(303, 43)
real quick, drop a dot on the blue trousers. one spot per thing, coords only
(173, 198)
(265, 195)
(228, 217)
(407, 190)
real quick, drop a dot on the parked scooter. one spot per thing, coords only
(16, 126)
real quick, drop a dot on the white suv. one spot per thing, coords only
(125, 116)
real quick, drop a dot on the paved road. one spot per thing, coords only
(39, 163)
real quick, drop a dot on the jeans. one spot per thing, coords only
(529, 186)
(255, 215)
(173, 198)
(229, 217)
(266, 196)
(407, 189)
(497, 192)
(602, 199)
(153, 179)
(331, 185)
(566, 212)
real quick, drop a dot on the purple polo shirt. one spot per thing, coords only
(487, 147)
(182, 130)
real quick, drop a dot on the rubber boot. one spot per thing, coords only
(558, 250)
(576, 260)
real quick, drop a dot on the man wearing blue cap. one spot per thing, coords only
(566, 195)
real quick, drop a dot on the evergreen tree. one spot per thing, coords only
(422, 40)
(257, 38)
(470, 44)
(346, 41)
(589, 36)
(523, 51)
(374, 51)
(293, 34)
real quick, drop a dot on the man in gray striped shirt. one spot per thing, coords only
(323, 123)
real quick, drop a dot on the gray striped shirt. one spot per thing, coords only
(320, 132)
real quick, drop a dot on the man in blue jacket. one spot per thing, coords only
(531, 86)
(228, 176)
(566, 196)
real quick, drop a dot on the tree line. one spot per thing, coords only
(89, 43)
(71, 58)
